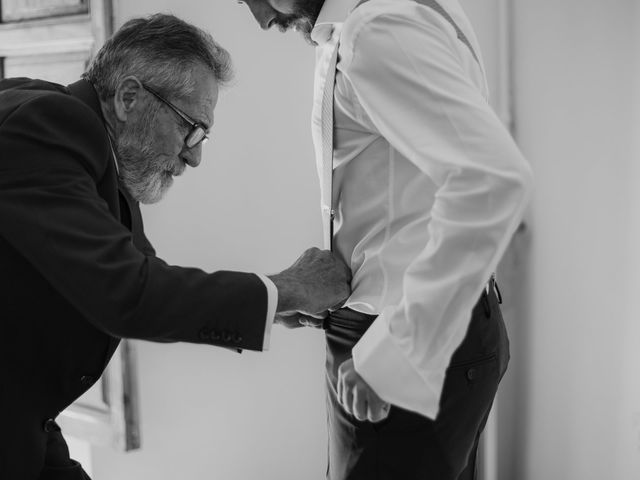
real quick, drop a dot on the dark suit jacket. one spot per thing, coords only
(77, 273)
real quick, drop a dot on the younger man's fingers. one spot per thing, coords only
(346, 399)
(359, 405)
(378, 411)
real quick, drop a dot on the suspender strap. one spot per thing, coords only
(438, 8)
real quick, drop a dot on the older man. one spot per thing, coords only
(422, 188)
(78, 273)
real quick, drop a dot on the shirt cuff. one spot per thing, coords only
(380, 361)
(272, 304)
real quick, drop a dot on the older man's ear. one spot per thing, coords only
(127, 97)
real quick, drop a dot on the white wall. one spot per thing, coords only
(571, 396)
(629, 453)
(574, 66)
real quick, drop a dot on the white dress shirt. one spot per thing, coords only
(428, 185)
(272, 305)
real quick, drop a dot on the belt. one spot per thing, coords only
(354, 320)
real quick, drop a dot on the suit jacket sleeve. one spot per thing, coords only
(54, 152)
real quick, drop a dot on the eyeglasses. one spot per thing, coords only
(198, 133)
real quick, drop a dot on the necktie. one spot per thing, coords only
(326, 186)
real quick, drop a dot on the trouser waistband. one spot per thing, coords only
(358, 321)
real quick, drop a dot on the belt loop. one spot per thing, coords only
(485, 300)
(495, 286)
(486, 305)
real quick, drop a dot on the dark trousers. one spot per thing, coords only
(406, 445)
(58, 464)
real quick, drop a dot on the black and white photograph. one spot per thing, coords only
(320, 239)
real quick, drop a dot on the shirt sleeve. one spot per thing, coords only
(272, 304)
(407, 74)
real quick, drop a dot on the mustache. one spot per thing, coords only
(286, 22)
(178, 169)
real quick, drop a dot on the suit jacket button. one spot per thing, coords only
(50, 426)
(204, 334)
(215, 336)
(226, 337)
(86, 380)
(471, 374)
(237, 338)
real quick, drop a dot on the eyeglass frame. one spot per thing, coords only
(195, 125)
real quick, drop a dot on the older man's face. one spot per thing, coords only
(286, 14)
(151, 148)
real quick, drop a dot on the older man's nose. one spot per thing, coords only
(193, 156)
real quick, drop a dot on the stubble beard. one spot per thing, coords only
(303, 20)
(143, 176)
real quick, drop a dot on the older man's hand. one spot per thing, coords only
(316, 282)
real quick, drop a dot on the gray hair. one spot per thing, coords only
(160, 50)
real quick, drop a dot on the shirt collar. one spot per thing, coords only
(333, 12)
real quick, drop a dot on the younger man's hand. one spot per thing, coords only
(357, 397)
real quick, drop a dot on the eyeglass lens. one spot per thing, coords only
(196, 136)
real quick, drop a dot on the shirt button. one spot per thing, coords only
(50, 426)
